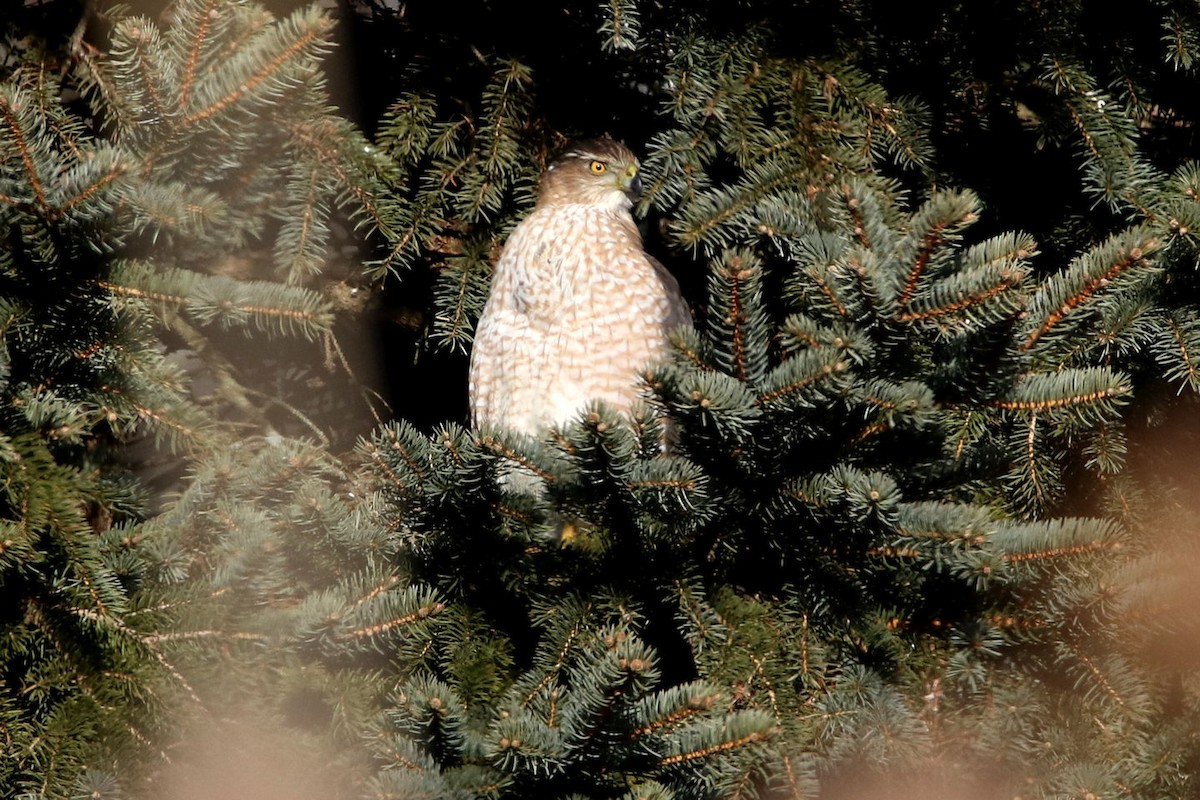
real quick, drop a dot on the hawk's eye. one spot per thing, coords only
(598, 167)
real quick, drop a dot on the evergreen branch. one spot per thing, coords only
(737, 201)
(1040, 492)
(711, 750)
(514, 513)
(929, 243)
(805, 635)
(1184, 364)
(1002, 251)
(66, 129)
(881, 402)
(399, 758)
(306, 38)
(158, 416)
(98, 83)
(688, 348)
(967, 535)
(858, 221)
(621, 25)
(173, 206)
(187, 636)
(1087, 289)
(299, 415)
(460, 291)
(910, 553)
(696, 705)
(458, 314)
(1017, 622)
(746, 786)
(760, 669)
(1086, 398)
(673, 158)
(304, 244)
(20, 205)
(170, 298)
(420, 615)
(705, 622)
(559, 664)
(868, 431)
(603, 701)
(84, 575)
(968, 432)
(399, 245)
(736, 317)
(113, 172)
(663, 483)
(493, 443)
(1105, 684)
(8, 107)
(389, 583)
(447, 440)
(297, 315)
(1089, 139)
(901, 144)
(249, 26)
(323, 143)
(810, 492)
(187, 81)
(805, 378)
(865, 267)
(962, 303)
(1181, 41)
(116, 624)
(515, 74)
(1066, 551)
(1025, 542)
(827, 290)
(796, 786)
(802, 330)
(224, 300)
(150, 81)
(397, 447)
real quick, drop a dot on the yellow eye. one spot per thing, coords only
(598, 167)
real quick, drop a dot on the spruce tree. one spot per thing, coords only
(140, 184)
(904, 534)
(899, 535)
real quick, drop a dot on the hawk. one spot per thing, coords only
(577, 308)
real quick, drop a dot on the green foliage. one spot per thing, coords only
(77, 374)
(849, 545)
(903, 530)
(118, 223)
(868, 529)
(838, 504)
(448, 182)
(226, 107)
(275, 606)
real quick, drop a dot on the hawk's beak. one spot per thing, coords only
(633, 183)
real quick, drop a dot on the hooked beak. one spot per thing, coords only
(633, 182)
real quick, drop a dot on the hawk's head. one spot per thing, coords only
(598, 172)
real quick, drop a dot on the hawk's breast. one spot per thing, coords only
(576, 311)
